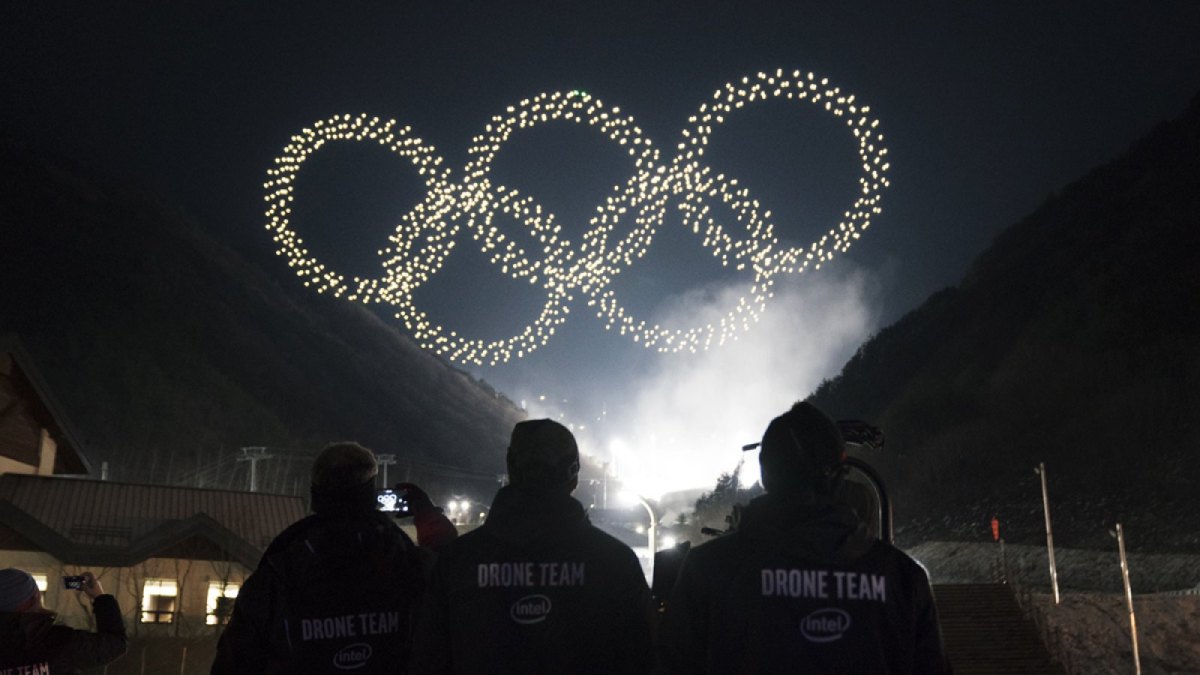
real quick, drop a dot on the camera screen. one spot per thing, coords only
(391, 501)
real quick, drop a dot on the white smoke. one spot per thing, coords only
(691, 416)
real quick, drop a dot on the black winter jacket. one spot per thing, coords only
(31, 642)
(800, 587)
(332, 593)
(536, 589)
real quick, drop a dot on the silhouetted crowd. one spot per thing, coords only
(799, 585)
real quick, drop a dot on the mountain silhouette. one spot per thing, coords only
(171, 351)
(1073, 340)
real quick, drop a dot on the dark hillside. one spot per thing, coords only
(1074, 340)
(170, 351)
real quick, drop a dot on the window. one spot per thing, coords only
(158, 600)
(220, 602)
(42, 581)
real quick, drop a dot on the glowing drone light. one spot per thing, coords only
(426, 235)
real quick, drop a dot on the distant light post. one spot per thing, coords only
(628, 496)
(604, 488)
(1120, 535)
(1041, 471)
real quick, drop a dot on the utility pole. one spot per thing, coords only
(254, 454)
(604, 494)
(385, 461)
(1041, 471)
(1120, 535)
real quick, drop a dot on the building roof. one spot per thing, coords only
(71, 458)
(92, 522)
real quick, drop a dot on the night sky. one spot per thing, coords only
(987, 109)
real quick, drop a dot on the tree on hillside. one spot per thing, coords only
(715, 509)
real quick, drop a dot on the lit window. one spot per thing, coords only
(41, 580)
(220, 602)
(158, 600)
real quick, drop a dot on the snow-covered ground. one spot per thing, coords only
(951, 562)
(1089, 629)
(1090, 632)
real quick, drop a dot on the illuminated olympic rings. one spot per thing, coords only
(426, 235)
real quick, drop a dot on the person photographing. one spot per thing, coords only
(30, 640)
(336, 590)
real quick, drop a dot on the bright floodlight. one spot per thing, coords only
(668, 542)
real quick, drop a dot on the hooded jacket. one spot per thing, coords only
(536, 589)
(30, 642)
(800, 586)
(334, 591)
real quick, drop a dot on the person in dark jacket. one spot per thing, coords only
(799, 586)
(434, 529)
(30, 641)
(337, 590)
(536, 588)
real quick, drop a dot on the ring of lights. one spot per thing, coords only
(427, 234)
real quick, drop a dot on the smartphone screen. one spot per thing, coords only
(390, 501)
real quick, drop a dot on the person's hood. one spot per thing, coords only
(346, 533)
(524, 517)
(812, 528)
(23, 629)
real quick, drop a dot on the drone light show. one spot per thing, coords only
(619, 233)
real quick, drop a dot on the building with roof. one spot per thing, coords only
(174, 557)
(35, 435)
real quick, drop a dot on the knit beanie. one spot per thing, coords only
(542, 455)
(802, 450)
(18, 590)
(343, 479)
